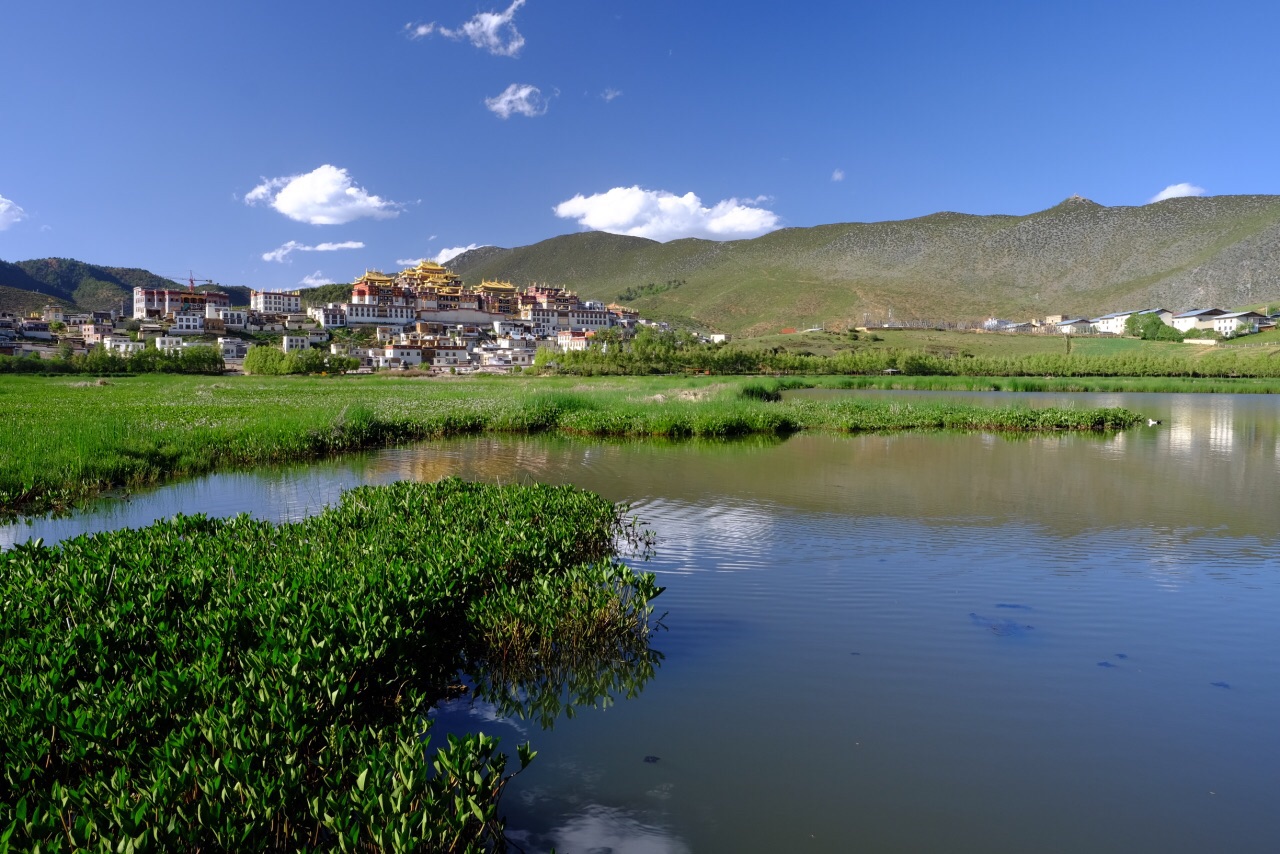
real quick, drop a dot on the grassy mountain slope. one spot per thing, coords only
(1077, 257)
(28, 286)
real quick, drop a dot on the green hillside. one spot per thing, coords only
(1077, 257)
(28, 286)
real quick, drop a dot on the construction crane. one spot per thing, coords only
(192, 281)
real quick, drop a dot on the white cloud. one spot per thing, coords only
(1177, 191)
(281, 253)
(324, 196)
(10, 213)
(837, 175)
(660, 215)
(411, 262)
(491, 31)
(521, 98)
(444, 256)
(315, 280)
(610, 94)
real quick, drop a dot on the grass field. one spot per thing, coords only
(67, 439)
(951, 343)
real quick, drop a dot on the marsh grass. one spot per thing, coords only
(65, 442)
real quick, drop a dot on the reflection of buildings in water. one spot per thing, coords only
(1221, 429)
(483, 459)
(1194, 427)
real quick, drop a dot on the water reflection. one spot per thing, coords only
(595, 829)
(838, 626)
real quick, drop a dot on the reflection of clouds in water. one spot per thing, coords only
(459, 715)
(740, 534)
(599, 828)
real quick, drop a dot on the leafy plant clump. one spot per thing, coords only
(234, 684)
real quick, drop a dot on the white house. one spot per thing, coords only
(328, 316)
(1237, 322)
(122, 345)
(1076, 326)
(169, 344)
(294, 343)
(1114, 323)
(275, 302)
(187, 321)
(400, 355)
(1200, 318)
(233, 348)
(568, 339)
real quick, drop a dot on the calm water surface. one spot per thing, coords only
(920, 642)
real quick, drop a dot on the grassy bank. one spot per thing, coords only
(229, 685)
(66, 440)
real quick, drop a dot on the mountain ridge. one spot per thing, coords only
(1075, 257)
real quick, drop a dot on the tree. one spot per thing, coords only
(1150, 327)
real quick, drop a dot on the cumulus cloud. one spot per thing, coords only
(492, 31)
(324, 196)
(411, 262)
(660, 215)
(1177, 191)
(315, 280)
(10, 213)
(279, 254)
(610, 94)
(444, 256)
(521, 98)
(837, 175)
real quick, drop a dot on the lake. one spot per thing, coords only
(915, 642)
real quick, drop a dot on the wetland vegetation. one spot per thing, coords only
(66, 440)
(235, 684)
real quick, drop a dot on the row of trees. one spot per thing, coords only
(99, 360)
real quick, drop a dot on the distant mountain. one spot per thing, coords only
(28, 286)
(1077, 257)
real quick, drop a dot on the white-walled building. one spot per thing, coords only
(169, 344)
(1237, 322)
(294, 343)
(1075, 326)
(233, 348)
(1114, 323)
(373, 314)
(123, 345)
(275, 302)
(329, 316)
(163, 302)
(1200, 318)
(190, 322)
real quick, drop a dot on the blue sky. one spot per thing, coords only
(271, 144)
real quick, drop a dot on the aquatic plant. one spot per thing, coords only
(234, 684)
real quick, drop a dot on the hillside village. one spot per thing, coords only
(426, 318)
(423, 317)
